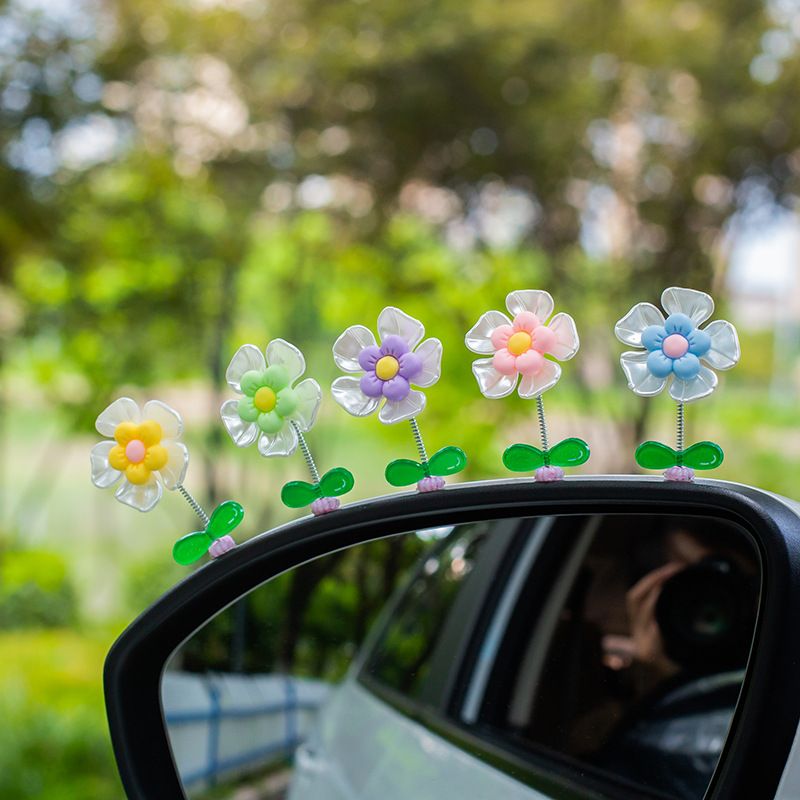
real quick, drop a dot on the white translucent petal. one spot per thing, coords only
(309, 399)
(243, 433)
(347, 393)
(282, 443)
(430, 351)
(103, 474)
(697, 305)
(567, 341)
(393, 321)
(640, 379)
(174, 471)
(246, 358)
(123, 409)
(492, 383)
(725, 351)
(141, 497)
(479, 336)
(279, 351)
(406, 408)
(347, 347)
(629, 329)
(534, 385)
(168, 418)
(537, 301)
(700, 386)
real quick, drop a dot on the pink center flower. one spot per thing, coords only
(521, 346)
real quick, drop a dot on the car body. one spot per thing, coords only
(441, 737)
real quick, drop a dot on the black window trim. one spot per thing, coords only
(765, 722)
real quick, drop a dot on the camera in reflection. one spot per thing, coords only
(705, 613)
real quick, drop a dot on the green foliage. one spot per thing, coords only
(314, 632)
(146, 579)
(54, 738)
(35, 590)
(418, 121)
(59, 756)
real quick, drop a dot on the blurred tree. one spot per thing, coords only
(610, 140)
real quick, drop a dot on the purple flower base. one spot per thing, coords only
(324, 505)
(221, 546)
(409, 366)
(430, 484)
(679, 474)
(548, 474)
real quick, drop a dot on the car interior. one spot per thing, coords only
(610, 649)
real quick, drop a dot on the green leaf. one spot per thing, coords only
(655, 455)
(298, 494)
(703, 455)
(191, 548)
(447, 461)
(404, 472)
(336, 482)
(523, 458)
(224, 518)
(569, 453)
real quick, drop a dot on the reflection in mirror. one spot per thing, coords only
(501, 658)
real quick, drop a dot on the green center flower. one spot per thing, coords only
(268, 398)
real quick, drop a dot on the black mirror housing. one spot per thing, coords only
(766, 718)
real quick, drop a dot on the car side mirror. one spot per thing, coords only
(561, 637)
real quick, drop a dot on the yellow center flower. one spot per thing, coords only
(265, 400)
(138, 451)
(387, 367)
(519, 343)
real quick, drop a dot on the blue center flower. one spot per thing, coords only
(675, 347)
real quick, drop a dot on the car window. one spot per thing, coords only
(403, 657)
(626, 674)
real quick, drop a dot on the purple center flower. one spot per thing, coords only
(389, 369)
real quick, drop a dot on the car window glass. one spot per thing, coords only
(629, 670)
(404, 652)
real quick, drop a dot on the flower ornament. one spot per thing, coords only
(387, 371)
(144, 452)
(676, 351)
(142, 449)
(519, 346)
(382, 376)
(524, 350)
(276, 410)
(272, 409)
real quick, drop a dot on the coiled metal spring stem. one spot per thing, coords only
(680, 429)
(542, 424)
(196, 507)
(312, 467)
(423, 455)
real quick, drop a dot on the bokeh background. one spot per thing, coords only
(182, 176)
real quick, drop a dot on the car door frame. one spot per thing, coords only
(765, 720)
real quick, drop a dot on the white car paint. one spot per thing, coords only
(363, 749)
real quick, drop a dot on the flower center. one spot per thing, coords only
(675, 346)
(135, 451)
(265, 399)
(519, 343)
(387, 367)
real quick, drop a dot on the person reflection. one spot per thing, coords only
(690, 621)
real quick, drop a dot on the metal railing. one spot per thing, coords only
(227, 726)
